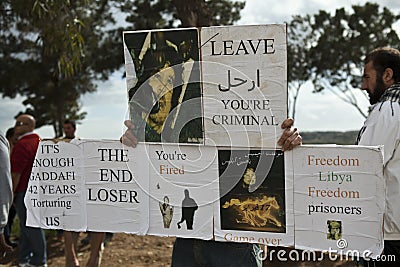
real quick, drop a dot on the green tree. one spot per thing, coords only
(300, 40)
(52, 52)
(342, 41)
(49, 54)
(145, 14)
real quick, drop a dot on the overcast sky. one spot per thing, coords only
(107, 108)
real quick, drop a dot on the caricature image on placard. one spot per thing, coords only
(254, 201)
(167, 212)
(189, 207)
(334, 230)
(164, 85)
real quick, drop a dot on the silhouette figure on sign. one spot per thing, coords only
(189, 207)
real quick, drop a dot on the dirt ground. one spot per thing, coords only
(123, 250)
(139, 251)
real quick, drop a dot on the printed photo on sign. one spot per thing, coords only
(252, 190)
(183, 188)
(163, 83)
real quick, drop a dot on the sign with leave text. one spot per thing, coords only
(211, 85)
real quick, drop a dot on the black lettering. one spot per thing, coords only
(241, 47)
(226, 47)
(213, 49)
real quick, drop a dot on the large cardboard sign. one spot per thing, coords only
(88, 185)
(183, 188)
(55, 196)
(212, 85)
(207, 105)
(106, 186)
(314, 197)
(115, 187)
(245, 86)
(339, 199)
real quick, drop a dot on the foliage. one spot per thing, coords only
(299, 62)
(145, 14)
(328, 49)
(343, 40)
(52, 52)
(49, 54)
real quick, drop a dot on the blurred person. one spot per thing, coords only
(12, 139)
(197, 252)
(69, 127)
(6, 195)
(70, 237)
(32, 242)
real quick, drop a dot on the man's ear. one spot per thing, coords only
(387, 75)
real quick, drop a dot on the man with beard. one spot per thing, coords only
(381, 79)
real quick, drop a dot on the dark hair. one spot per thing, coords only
(68, 121)
(383, 58)
(10, 132)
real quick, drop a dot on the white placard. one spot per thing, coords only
(314, 197)
(339, 198)
(244, 84)
(116, 180)
(55, 197)
(183, 188)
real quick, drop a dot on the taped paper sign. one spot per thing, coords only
(183, 189)
(106, 186)
(240, 97)
(339, 198)
(245, 85)
(314, 197)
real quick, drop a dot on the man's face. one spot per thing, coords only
(22, 126)
(69, 130)
(162, 81)
(372, 83)
(249, 178)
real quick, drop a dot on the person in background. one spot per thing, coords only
(12, 139)
(69, 127)
(5, 192)
(71, 238)
(32, 242)
(196, 252)
(381, 80)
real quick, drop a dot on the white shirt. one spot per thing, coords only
(382, 127)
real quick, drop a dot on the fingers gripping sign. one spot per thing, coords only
(129, 138)
(290, 137)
